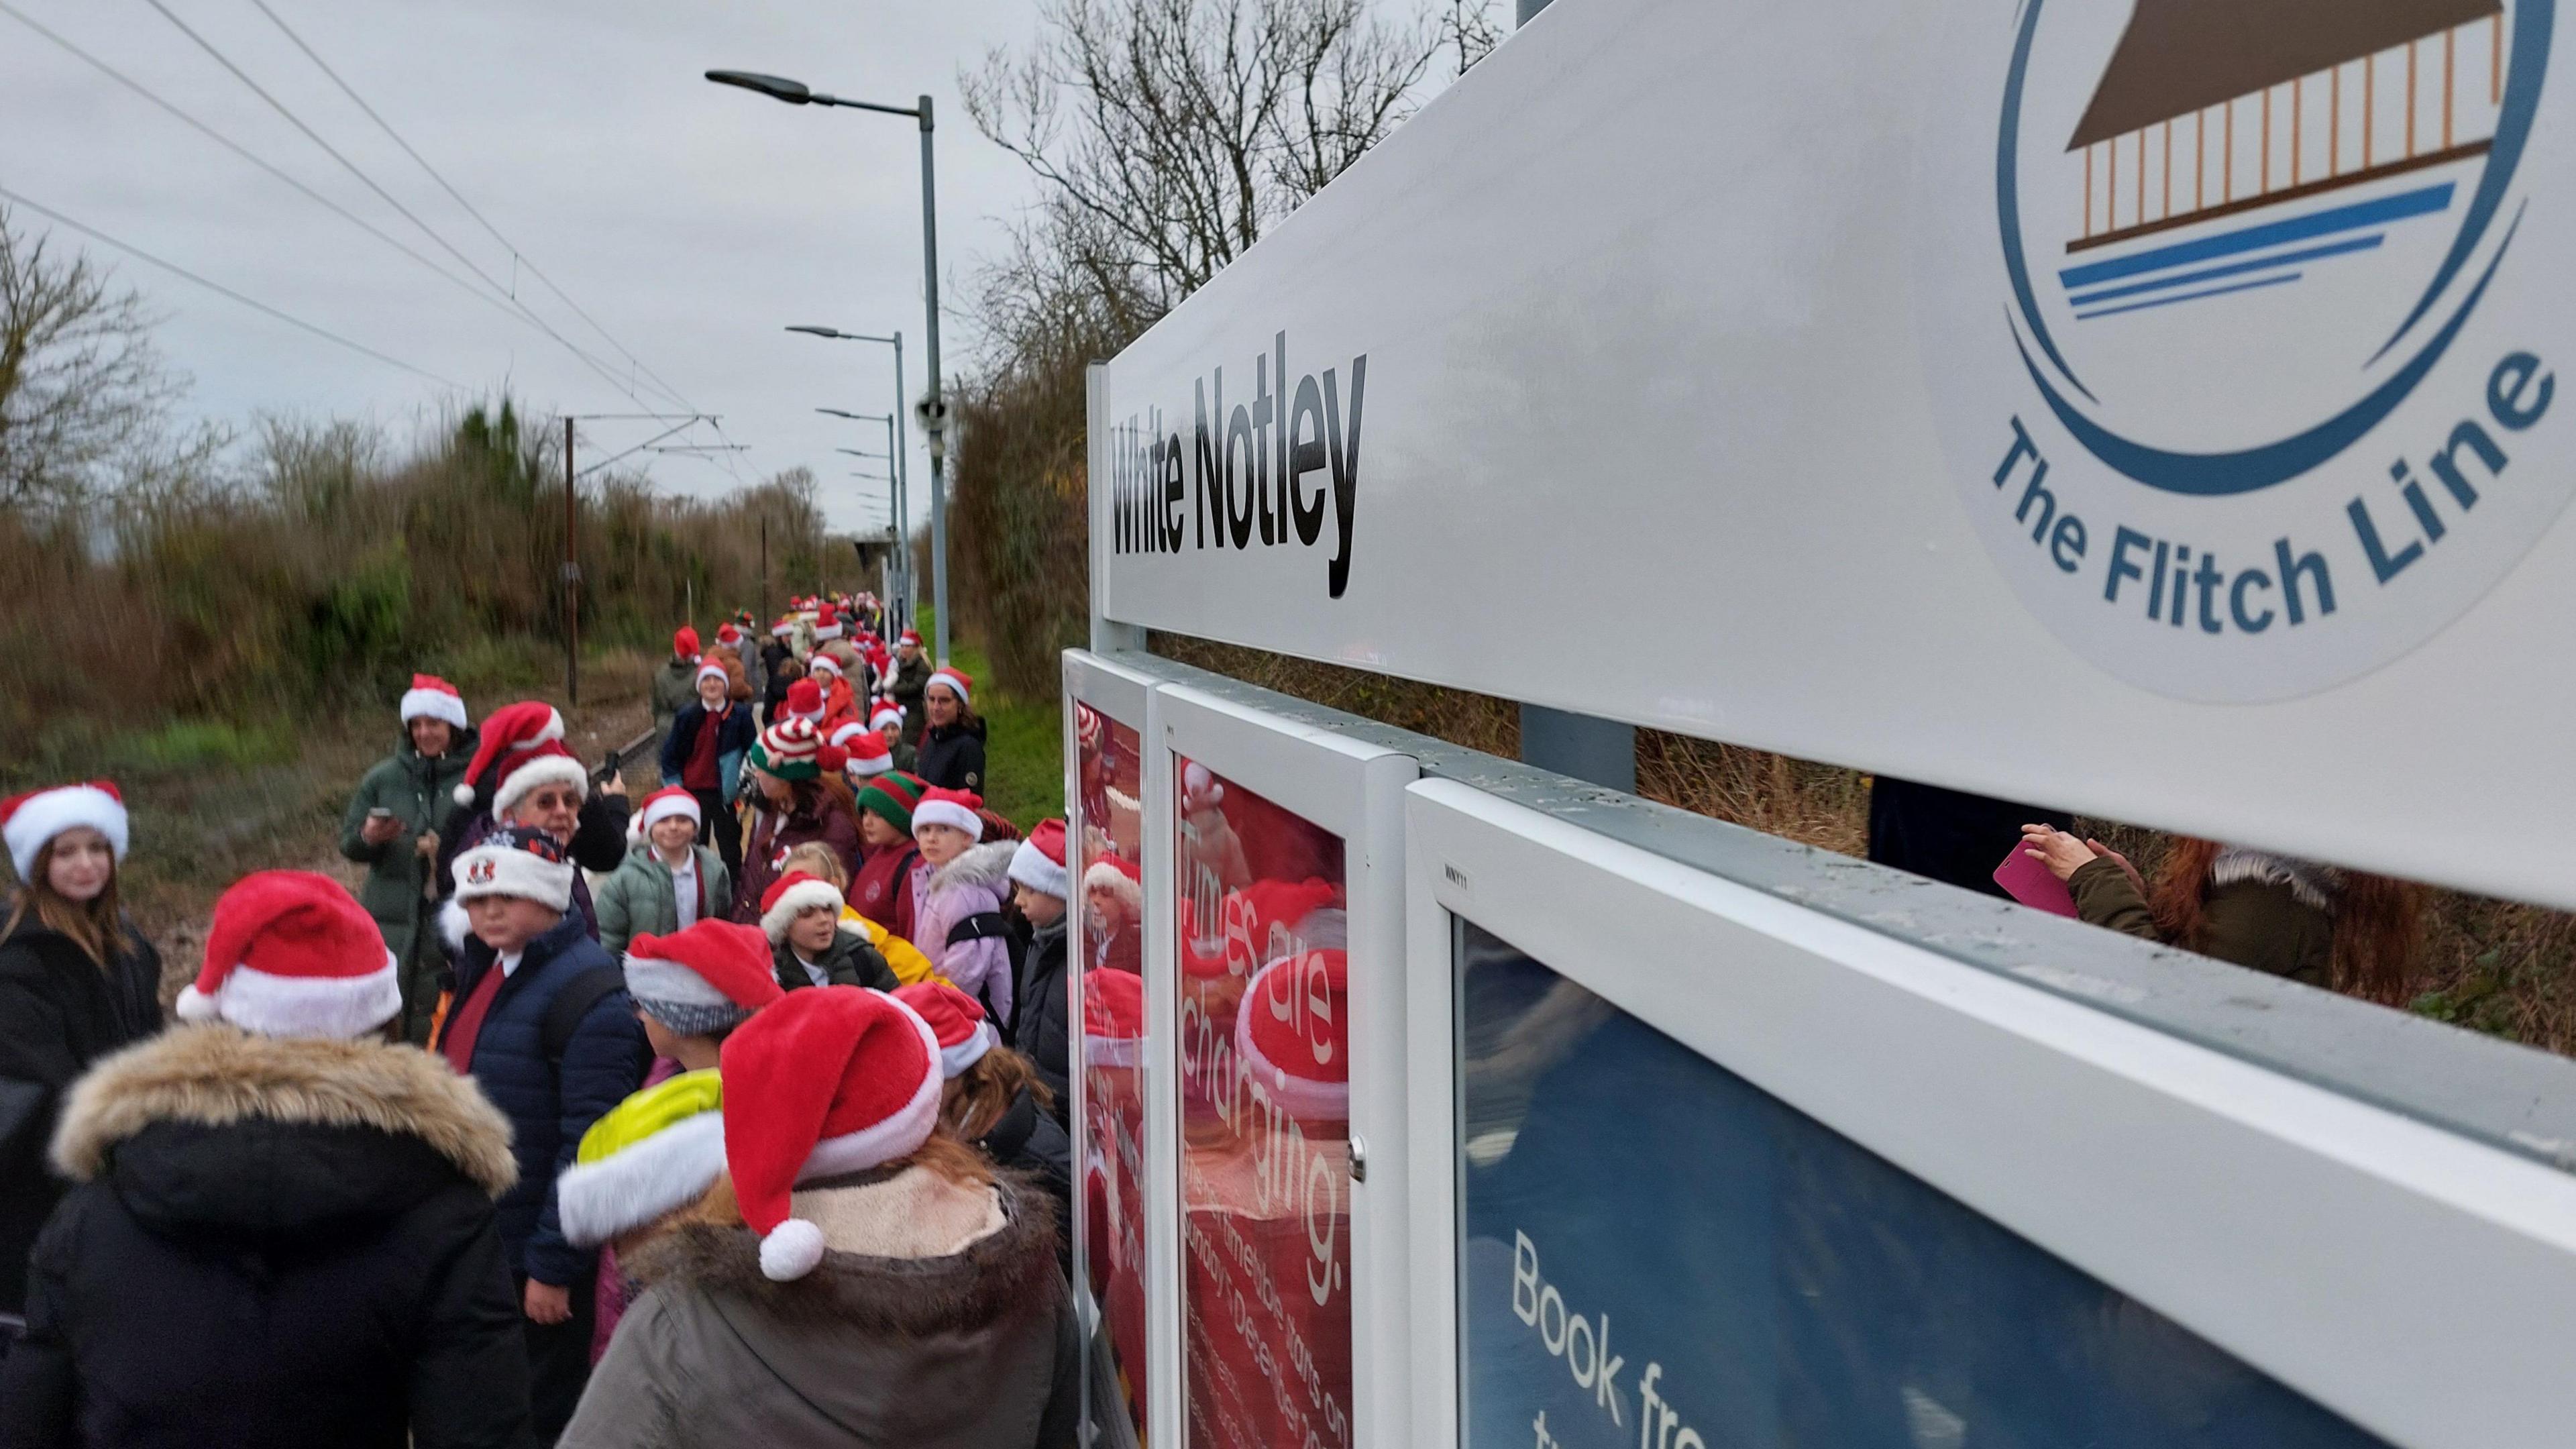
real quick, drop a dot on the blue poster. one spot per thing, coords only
(1655, 1254)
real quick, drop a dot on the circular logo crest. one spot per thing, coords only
(2241, 318)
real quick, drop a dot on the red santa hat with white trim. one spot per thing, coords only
(867, 752)
(827, 621)
(958, 680)
(713, 975)
(289, 953)
(792, 895)
(1039, 861)
(28, 821)
(729, 636)
(804, 701)
(887, 713)
(431, 697)
(956, 1019)
(707, 667)
(829, 1081)
(520, 749)
(1120, 878)
(908, 636)
(962, 809)
(1113, 1018)
(661, 805)
(1295, 1054)
(824, 664)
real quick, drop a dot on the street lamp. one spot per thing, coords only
(934, 409)
(903, 444)
(898, 465)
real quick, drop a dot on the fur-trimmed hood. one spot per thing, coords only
(2312, 885)
(906, 1253)
(218, 1079)
(987, 865)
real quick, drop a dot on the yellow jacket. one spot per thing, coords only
(909, 964)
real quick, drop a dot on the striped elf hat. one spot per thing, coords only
(790, 750)
(893, 796)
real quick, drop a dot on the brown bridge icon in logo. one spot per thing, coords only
(2189, 74)
(2211, 109)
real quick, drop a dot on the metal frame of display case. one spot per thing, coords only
(1122, 689)
(2436, 1300)
(1354, 788)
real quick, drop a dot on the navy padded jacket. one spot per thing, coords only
(550, 1107)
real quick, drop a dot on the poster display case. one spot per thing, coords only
(1107, 710)
(1281, 1000)
(1714, 1167)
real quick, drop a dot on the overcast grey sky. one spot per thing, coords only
(693, 221)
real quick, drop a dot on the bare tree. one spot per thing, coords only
(81, 387)
(1169, 135)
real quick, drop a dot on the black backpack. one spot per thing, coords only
(993, 925)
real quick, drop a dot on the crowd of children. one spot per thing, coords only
(695, 1120)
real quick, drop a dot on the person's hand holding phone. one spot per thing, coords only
(381, 827)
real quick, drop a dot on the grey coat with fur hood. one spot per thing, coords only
(938, 1319)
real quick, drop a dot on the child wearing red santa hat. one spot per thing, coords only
(865, 1255)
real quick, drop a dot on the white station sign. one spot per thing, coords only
(2145, 407)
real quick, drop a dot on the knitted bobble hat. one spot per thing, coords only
(789, 749)
(431, 697)
(829, 1081)
(956, 1019)
(289, 953)
(28, 821)
(892, 797)
(1039, 861)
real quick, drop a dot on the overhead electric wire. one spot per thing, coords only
(638, 448)
(219, 138)
(516, 253)
(217, 287)
(408, 214)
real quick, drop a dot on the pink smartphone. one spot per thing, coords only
(2031, 883)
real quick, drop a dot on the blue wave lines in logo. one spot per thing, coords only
(2178, 265)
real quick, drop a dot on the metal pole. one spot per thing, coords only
(938, 441)
(904, 581)
(571, 578)
(764, 571)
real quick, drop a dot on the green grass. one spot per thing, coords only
(1024, 749)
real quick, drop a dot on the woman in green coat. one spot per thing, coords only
(664, 868)
(391, 829)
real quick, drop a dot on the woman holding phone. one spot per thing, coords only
(390, 828)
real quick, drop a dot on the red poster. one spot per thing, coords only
(1112, 1063)
(1265, 1122)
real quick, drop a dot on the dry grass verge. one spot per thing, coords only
(2493, 966)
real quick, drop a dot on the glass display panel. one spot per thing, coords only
(1655, 1254)
(1110, 1253)
(1263, 987)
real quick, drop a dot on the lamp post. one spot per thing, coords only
(902, 449)
(797, 93)
(900, 599)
